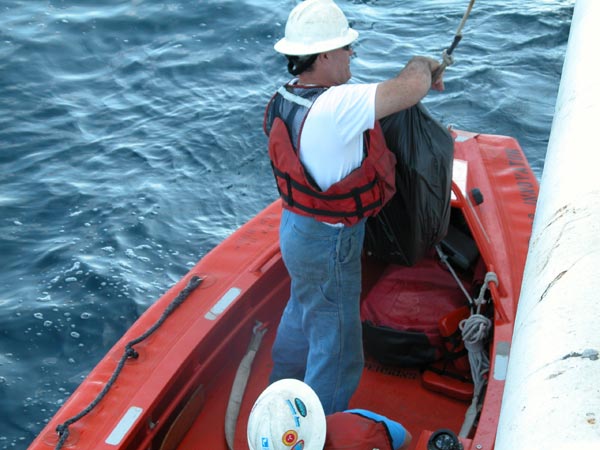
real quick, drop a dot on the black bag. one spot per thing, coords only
(417, 217)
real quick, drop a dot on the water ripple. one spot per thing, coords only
(132, 144)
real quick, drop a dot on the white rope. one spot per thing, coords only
(444, 259)
(239, 384)
(447, 58)
(489, 278)
(475, 330)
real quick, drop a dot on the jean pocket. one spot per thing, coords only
(348, 249)
(307, 257)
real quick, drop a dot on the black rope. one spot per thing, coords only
(63, 428)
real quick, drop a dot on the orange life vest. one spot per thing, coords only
(351, 431)
(362, 193)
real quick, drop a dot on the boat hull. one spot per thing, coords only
(175, 393)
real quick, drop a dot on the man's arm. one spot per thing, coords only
(407, 88)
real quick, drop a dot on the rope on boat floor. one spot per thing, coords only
(129, 352)
(475, 331)
(240, 382)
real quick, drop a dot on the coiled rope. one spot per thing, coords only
(475, 330)
(129, 352)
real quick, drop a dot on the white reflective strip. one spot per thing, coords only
(501, 361)
(462, 138)
(223, 303)
(460, 169)
(124, 425)
(294, 98)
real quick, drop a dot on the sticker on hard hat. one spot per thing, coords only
(294, 415)
(300, 406)
(289, 438)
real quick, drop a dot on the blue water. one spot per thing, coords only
(131, 144)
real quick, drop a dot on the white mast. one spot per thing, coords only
(552, 393)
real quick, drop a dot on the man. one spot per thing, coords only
(332, 170)
(289, 416)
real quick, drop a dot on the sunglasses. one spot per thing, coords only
(347, 47)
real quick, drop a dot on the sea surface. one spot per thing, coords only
(131, 144)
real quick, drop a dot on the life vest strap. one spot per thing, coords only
(340, 214)
(322, 196)
(355, 194)
(357, 200)
(288, 183)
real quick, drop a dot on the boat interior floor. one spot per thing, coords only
(396, 392)
(393, 392)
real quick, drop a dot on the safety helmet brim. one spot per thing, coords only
(288, 47)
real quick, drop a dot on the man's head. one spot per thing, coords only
(286, 416)
(314, 27)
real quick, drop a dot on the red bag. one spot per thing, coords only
(351, 431)
(401, 314)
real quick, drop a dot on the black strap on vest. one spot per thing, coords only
(288, 182)
(355, 194)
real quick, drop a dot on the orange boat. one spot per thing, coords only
(187, 372)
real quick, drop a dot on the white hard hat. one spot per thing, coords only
(315, 26)
(287, 416)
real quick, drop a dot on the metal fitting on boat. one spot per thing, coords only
(444, 439)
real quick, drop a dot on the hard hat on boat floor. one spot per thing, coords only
(315, 26)
(288, 415)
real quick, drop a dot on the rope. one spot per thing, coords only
(240, 382)
(490, 277)
(63, 429)
(462, 22)
(447, 58)
(444, 259)
(475, 331)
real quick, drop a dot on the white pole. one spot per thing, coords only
(552, 392)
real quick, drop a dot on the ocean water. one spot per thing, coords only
(131, 144)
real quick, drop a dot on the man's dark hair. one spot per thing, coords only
(299, 64)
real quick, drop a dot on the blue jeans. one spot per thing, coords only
(319, 339)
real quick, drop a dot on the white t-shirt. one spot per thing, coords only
(331, 144)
